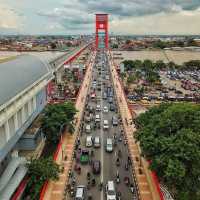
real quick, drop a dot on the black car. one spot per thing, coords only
(96, 167)
(110, 100)
(112, 107)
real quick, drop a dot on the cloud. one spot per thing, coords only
(79, 14)
(183, 22)
(11, 22)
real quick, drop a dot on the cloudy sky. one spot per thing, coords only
(77, 16)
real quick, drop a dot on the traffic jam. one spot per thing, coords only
(102, 168)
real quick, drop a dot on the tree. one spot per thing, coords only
(53, 45)
(39, 171)
(159, 44)
(169, 136)
(55, 116)
(114, 46)
(159, 65)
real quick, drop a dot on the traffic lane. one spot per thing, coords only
(82, 179)
(110, 168)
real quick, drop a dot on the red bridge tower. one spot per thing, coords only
(101, 31)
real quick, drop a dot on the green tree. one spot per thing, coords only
(159, 65)
(55, 116)
(39, 171)
(169, 136)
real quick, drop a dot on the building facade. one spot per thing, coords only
(23, 83)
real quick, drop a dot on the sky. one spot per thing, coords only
(78, 16)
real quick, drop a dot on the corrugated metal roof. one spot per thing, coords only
(18, 74)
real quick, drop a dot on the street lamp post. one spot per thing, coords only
(61, 138)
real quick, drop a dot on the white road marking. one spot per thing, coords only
(101, 132)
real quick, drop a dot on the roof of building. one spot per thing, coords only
(18, 74)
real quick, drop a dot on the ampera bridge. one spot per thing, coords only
(22, 98)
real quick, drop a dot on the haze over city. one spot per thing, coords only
(76, 16)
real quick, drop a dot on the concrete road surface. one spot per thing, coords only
(109, 169)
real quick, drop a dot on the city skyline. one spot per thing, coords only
(77, 16)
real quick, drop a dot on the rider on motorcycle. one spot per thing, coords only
(119, 153)
(118, 162)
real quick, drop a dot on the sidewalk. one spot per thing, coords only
(55, 189)
(146, 186)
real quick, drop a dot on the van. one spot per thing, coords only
(88, 141)
(105, 124)
(81, 193)
(88, 128)
(109, 145)
(110, 191)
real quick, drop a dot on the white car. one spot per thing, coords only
(105, 124)
(97, 141)
(109, 145)
(110, 191)
(98, 108)
(97, 118)
(105, 109)
(88, 141)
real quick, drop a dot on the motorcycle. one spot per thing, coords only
(93, 182)
(100, 186)
(132, 188)
(126, 166)
(117, 162)
(126, 181)
(117, 177)
(119, 153)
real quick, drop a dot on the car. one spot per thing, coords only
(109, 145)
(97, 141)
(110, 191)
(112, 107)
(88, 142)
(105, 109)
(96, 167)
(104, 95)
(107, 77)
(98, 108)
(114, 121)
(88, 128)
(97, 118)
(94, 83)
(110, 100)
(88, 117)
(99, 88)
(105, 124)
(81, 193)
